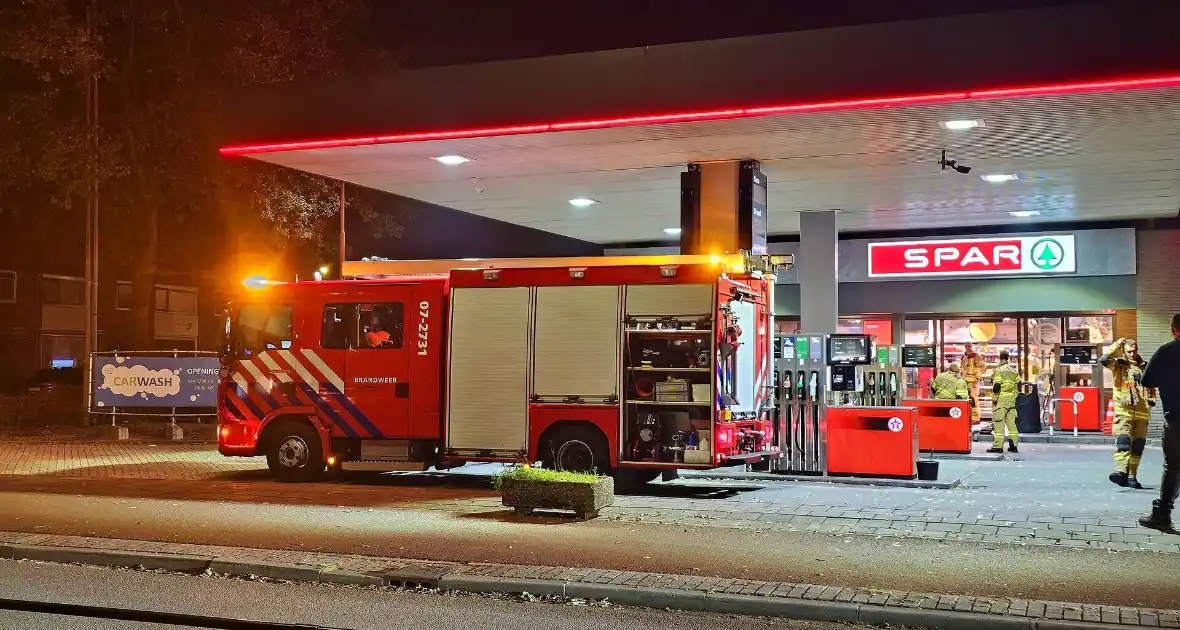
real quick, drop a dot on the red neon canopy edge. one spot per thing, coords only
(716, 114)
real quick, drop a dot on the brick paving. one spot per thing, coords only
(1048, 495)
(1031, 610)
(122, 460)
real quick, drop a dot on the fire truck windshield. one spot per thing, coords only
(257, 327)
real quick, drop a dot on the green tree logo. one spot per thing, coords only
(1047, 254)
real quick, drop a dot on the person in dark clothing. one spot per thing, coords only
(1163, 374)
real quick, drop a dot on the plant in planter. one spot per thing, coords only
(526, 489)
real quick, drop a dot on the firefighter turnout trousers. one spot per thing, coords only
(1004, 409)
(1004, 417)
(973, 396)
(1130, 436)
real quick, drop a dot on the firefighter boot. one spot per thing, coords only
(1012, 446)
(1138, 444)
(1160, 519)
(1122, 452)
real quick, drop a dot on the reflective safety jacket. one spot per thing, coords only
(1008, 379)
(949, 386)
(1129, 391)
(973, 367)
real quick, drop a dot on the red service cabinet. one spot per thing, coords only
(1089, 414)
(872, 441)
(944, 426)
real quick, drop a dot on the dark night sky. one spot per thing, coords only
(445, 32)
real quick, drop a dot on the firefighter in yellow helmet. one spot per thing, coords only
(1132, 408)
(949, 385)
(1005, 386)
(973, 368)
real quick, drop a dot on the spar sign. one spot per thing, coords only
(1009, 256)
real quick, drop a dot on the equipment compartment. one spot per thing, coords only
(668, 390)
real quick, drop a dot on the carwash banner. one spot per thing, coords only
(155, 381)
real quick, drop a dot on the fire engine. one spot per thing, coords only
(631, 366)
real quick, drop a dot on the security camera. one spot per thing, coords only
(958, 168)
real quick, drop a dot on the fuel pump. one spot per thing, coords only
(800, 368)
(815, 371)
(884, 378)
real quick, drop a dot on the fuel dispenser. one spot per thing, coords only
(1080, 386)
(944, 426)
(884, 382)
(801, 375)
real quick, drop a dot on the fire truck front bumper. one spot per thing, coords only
(237, 439)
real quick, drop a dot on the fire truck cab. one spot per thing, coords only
(620, 366)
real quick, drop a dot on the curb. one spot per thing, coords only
(849, 481)
(452, 577)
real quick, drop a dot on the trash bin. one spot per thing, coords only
(1028, 409)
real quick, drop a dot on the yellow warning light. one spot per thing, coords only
(331, 460)
(255, 282)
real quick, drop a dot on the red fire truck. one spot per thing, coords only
(632, 366)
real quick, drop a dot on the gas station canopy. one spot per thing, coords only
(1054, 126)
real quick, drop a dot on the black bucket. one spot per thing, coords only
(927, 470)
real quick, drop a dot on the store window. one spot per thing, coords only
(786, 326)
(1039, 361)
(1098, 328)
(986, 337)
(918, 332)
(850, 327)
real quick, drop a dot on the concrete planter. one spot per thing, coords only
(583, 499)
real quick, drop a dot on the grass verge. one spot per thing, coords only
(522, 473)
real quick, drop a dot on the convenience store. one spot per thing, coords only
(1084, 290)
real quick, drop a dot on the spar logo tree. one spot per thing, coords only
(1047, 254)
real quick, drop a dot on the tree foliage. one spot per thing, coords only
(164, 68)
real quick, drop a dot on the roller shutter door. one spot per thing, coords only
(576, 343)
(487, 380)
(671, 300)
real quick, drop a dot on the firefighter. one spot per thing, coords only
(949, 385)
(1132, 408)
(1005, 386)
(973, 368)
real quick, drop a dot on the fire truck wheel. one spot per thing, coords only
(294, 453)
(578, 449)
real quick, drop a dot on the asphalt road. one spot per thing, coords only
(997, 570)
(34, 621)
(332, 607)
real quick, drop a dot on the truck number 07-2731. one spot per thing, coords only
(423, 327)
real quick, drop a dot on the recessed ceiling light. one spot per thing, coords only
(999, 178)
(960, 125)
(582, 202)
(452, 160)
(1022, 214)
(672, 231)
